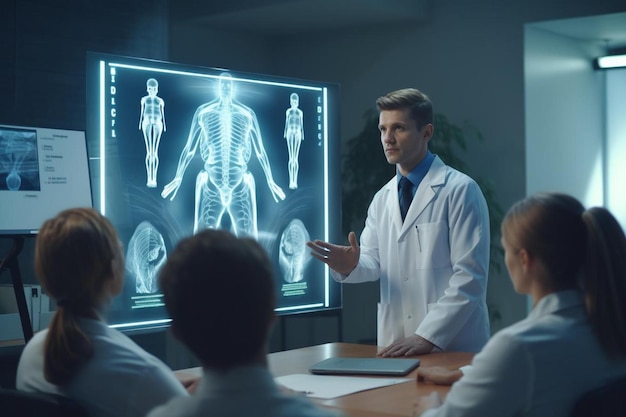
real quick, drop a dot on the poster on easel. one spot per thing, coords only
(42, 172)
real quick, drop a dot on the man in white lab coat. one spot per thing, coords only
(433, 265)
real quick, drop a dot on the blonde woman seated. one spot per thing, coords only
(79, 262)
(572, 263)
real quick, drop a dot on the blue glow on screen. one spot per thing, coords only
(148, 323)
(102, 154)
(168, 159)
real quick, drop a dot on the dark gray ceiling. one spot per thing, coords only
(290, 17)
(610, 29)
(285, 17)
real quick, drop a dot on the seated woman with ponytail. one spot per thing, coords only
(572, 264)
(79, 263)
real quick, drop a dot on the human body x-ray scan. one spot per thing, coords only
(152, 124)
(233, 156)
(294, 134)
(226, 132)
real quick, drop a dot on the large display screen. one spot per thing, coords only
(175, 149)
(42, 172)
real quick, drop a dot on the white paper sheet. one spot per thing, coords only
(330, 386)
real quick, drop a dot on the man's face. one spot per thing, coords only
(404, 144)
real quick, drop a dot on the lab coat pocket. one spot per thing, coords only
(432, 245)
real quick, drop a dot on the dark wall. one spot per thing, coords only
(42, 53)
(43, 45)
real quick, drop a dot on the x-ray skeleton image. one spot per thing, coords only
(294, 134)
(152, 124)
(225, 132)
(145, 257)
(293, 255)
(18, 160)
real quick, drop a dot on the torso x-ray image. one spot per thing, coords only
(232, 156)
(226, 133)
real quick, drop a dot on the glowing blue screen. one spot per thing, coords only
(175, 149)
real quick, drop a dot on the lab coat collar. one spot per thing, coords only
(429, 187)
(555, 302)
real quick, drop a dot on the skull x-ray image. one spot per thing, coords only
(145, 256)
(293, 253)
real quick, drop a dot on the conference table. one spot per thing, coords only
(388, 401)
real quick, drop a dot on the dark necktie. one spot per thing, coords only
(405, 196)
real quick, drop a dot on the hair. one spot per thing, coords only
(220, 293)
(580, 248)
(76, 254)
(419, 104)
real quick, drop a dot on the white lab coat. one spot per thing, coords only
(433, 267)
(537, 367)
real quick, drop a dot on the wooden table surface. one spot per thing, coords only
(394, 400)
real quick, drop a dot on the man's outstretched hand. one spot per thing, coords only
(342, 259)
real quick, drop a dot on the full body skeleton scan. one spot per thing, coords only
(152, 124)
(226, 132)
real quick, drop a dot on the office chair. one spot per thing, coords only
(29, 404)
(9, 358)
(606, 400)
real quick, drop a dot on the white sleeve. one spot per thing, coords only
(155, 386)
(465, 368)
(368, 268)
(498, 383)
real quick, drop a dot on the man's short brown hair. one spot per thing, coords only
(421, 108)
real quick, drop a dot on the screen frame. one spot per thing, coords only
(96, 135)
